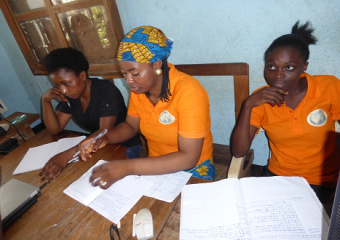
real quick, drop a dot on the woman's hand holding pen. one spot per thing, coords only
(93, 147)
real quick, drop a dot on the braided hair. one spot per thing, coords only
(165, 90)
(300, 38)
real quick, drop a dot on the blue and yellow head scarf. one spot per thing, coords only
(145, 44)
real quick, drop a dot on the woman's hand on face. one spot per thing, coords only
(271, 95)
(54, 92)
(93, 147)
(53, 168)
(109, 173)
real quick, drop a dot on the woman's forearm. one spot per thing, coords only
(243, 134)
(187, 156)
(50, 118)
(122, 132)
(169, 163)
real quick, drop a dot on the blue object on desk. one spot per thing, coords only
(18, 119)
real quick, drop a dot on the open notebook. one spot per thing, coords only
(252, 208)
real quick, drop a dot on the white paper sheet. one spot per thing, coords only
(37, 157)
(167, 187)
(211, 211)
(114, 202)
(286, 204)
(81, 190)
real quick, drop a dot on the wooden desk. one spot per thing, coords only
(57, 216)
(23, 127)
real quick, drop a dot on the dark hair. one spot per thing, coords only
(69, 59)
(165, 90)
(300, 38)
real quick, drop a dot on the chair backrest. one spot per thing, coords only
(240, 72)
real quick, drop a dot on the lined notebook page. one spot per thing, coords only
(283, 208)
(81, 190)
(112, 203)
(272, 208)
(117, 201)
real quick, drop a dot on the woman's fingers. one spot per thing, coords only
(107, 174)
(101, 142)
(273, 96)
(283, 92)
(96, 174)
(274, 99)
(107, 184)
(58, 94)
(86, 146)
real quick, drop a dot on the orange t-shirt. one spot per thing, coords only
(303, 141)
(186, 114)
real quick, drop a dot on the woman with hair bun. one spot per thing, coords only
(298, 112)
(170, 108)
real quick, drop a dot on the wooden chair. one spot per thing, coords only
(238, 167)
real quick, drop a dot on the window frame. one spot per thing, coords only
(51, 11)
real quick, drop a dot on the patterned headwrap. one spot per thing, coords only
(145, 44)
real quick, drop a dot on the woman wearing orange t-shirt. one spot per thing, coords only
(170, 108)
(298, 112)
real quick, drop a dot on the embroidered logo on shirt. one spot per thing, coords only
(166, 118)
(317, 118)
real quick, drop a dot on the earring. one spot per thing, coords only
(158, 72)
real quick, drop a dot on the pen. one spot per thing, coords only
(75, 156)
(68, 103)
(75, 159)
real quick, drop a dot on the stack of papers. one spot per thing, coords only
(37, 157)
(114, 202)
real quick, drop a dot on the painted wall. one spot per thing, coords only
(18, 88)
(212, 31)
(218, 31)
(12, 92)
